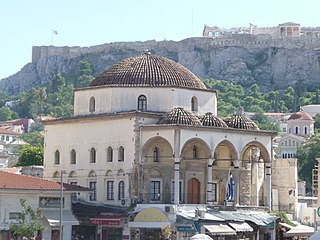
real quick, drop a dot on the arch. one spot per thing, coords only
(121, 154)
(155, 173)
(305, 130)
(120, 172)
(224, 154)
(56, 174)
(92, 104)
(72, 174)
(195, 144)
(264, 154)
(73, 157)
(93, 155)
(109, 154)
(296, 130)
(165, 150)
(109, 173)
(193, 191)
(57, 157)
(194, 104)
(92, 173)
(142, 103)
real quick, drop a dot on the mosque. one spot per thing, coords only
(145, 136)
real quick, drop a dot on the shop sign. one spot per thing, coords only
(105, 222)
(186, 229)
(50, 202)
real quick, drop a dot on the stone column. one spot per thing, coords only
(176, 180)
(254, 177)
(176, 159)
(209, 183)
(268, 184)
(236, 164)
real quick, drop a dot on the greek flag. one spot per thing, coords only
(229, 188)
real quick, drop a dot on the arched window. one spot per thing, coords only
(57, 157)
(92, 104)
(142, 103)
(109, 154)
(297, 130)
(289, 142)
(156, 154)
(92, 155)
(194, 104)
(121, 190)
(285, 143)
(73, 157)
(305, 130)
(194, 152)
(121, 154)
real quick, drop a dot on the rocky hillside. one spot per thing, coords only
(245, 59)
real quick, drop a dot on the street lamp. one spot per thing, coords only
(61, 204)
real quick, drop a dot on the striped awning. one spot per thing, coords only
(241, 227)
(220, 229)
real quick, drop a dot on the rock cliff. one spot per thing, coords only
(245, 59)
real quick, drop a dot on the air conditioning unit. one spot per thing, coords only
(169, 209)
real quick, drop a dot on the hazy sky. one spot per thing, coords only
(27, 23)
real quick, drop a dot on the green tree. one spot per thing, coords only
(30, 221)
(85, 70)
(7, 114)
(30, 155)
(306, 156)
(34, 138)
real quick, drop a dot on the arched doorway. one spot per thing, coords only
(193, 191)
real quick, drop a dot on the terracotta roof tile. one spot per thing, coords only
(180, 116)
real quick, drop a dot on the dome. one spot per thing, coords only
(212, 121)
(241, 122)
(180, 116)
(301, 116)
(148, 70)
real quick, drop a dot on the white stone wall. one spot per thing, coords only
(119, 99)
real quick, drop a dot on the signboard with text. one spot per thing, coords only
(50, 202)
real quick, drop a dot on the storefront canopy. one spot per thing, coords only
(220, 229)
(241, 227)
(297, 231)
(53, 217)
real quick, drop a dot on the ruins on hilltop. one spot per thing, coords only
(284, 30)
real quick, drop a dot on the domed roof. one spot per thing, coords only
(211, 120)
(148, 70)
(180, 116)
(301, 115)
(240, 121)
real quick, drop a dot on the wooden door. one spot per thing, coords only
(193, 191)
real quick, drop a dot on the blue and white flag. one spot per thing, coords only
(229, 188)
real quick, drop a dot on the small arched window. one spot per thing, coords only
(92, 155)
(156, 154)
(289, 142)
(194, 152)
(73, 157)
(305, 130)
(142, 103)
(194, 104)
(297, 130)
(92, 105)
(109, 154)
(121, 190)
(121, 154)
(57, 157)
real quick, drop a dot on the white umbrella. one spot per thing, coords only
(201, 236)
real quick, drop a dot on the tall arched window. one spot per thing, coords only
(194, 104)
(194, 152)
(297, 130)
(121, 154)
(305, 130)
(57, 157)
(109, 154)
(73, 157)
(92, 155)
(121, 190)
(92, 104)
(156, 154)
(142, 103)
